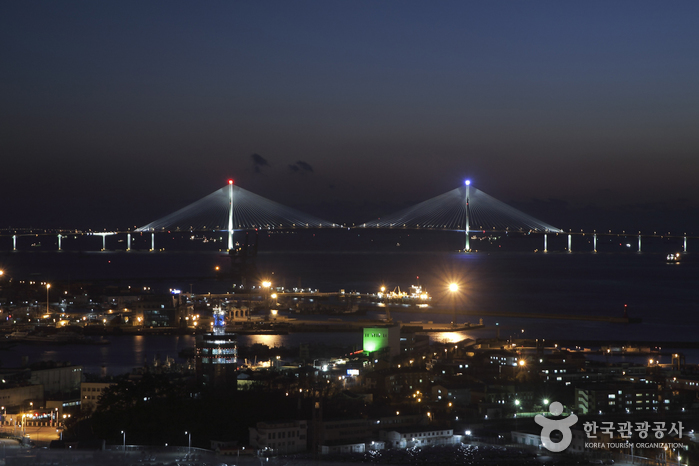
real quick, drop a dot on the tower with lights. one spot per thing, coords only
(217, 355)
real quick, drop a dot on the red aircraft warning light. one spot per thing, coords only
(230, 181)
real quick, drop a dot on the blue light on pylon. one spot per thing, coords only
(468, 182)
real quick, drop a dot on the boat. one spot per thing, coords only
(417, 294)
(674, 258)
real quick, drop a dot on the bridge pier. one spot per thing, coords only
(128, 241)
(570, 243)
(104, 242)
(59, 242)
(639, 242)
(685, 244)
(14, 242)
(546, 237)
(594, 242)
(152, 241)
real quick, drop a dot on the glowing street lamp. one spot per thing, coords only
(190, 440)
(124, 444)
(266, 284)
(453, 288)
(48, 287)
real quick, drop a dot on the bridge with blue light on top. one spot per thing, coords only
(229, 209)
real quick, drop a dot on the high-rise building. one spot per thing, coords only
(217, 355)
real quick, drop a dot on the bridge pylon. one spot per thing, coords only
(467, 245)
(230, 215)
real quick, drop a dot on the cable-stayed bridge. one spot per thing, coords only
(464, 209)
(232, 208)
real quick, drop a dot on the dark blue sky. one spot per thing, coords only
(115, 113)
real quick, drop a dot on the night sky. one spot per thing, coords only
(113, 114)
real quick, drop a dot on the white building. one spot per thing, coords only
(280, 437)
(406, 437)
(533, 439)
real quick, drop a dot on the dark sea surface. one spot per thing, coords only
(512, 279)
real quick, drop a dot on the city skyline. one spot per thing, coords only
(576, 114)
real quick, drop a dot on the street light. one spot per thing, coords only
(124, 434)
(453, 288)
(190, 440)
(48, 287)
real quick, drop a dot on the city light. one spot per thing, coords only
(266, 284)
(467, 182)
(453, 287)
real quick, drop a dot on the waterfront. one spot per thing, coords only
(663, 295)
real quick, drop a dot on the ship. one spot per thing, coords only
(674, 258)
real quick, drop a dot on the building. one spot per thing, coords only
(217, 356)
(617, 398)
(451, 392)
(532, 439)
(414, 342)
(90, 393)
(159, 311)
(383, 339)
(17, 398)
(342, 447)
(405, 437)
(359, 435)
(280, 437)
(406, 381)
(60, 381)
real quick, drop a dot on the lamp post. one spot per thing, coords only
(190, 441)
(266, 285)
(48, 287)
(124, 444)
(453, 288)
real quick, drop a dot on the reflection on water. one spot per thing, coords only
(449, 337)
(138, 343)
(269, 340)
